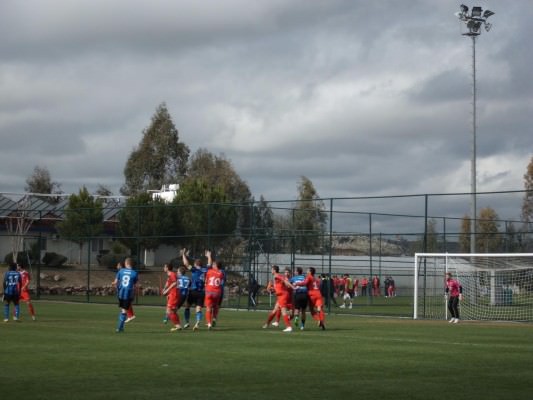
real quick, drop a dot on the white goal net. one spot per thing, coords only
(496, 287)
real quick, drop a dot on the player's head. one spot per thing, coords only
(312, 271)
(299, 270)
(128, 262)
(181, 270)
(20, 267)
(287, 272)
(217, 264)
(275, 269)
(449, 275)
(198, 262)
(167, 267)
(12, 266)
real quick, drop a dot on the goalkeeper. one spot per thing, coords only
(454, 293)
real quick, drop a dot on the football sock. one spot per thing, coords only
(174, 318)
(17, 310)
(6, 311)
(32, 310)
(121, 319)
(287, 320)
(187, 314)
(198, 316)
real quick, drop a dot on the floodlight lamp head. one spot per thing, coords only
(464, 9)
(476, 11)
(487, 14)
(488, 26)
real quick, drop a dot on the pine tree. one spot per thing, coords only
(160, 159)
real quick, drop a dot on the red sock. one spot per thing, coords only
(174, 318)
(32, 311)
(208, 316)
(130, 312)
(287, 320)
(278, 315)
(321, 316)
(271, 317)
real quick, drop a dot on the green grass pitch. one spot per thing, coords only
(73, 352)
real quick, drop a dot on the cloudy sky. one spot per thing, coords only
(362, 97)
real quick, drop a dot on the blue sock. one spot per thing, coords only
(17, 310)
(187, 314)
(198, 316)
(121, 319)
(6, 311)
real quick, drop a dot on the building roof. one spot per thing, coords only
(39, 209)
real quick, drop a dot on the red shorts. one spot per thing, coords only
(25, 295)
(284, 300)
(212, 299)
(316, 300)
(172, 301)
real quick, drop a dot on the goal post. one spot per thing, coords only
(496, 287)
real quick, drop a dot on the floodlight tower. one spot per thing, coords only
(473, 21)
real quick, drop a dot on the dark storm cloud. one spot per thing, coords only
(360, 97)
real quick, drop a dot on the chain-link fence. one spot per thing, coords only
(366, 237)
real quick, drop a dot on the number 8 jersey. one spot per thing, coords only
(126, 278)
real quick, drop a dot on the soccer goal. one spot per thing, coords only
(497, 287)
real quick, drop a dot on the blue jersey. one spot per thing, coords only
(299, 278)
(12, 283)
(184, 283)
(126, 280)
(198, 278)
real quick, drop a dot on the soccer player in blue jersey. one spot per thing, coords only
(12, 287)
(126, 282)
(300, 297)
(184, 284)
(197, 290)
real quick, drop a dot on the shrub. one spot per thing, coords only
(52, 259)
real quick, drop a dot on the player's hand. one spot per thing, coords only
(461, 297)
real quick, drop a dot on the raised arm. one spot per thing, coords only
(185, 259)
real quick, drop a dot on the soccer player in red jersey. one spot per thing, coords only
(214, 284)
(316, 302)
(454, 292)
(171, 291)
(25, 290)
(284, 300)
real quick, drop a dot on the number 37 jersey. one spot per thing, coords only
(126, 278)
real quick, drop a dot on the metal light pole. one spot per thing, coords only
(473, 21)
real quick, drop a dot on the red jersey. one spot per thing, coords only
(214, 279)
(453, 287)
(25, 280)
(279, 284)
(172, 278)
(312, 283)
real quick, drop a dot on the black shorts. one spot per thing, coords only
(196, 298)
(182, 300)
(11, 298)
(125, 303)
(300, 300)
